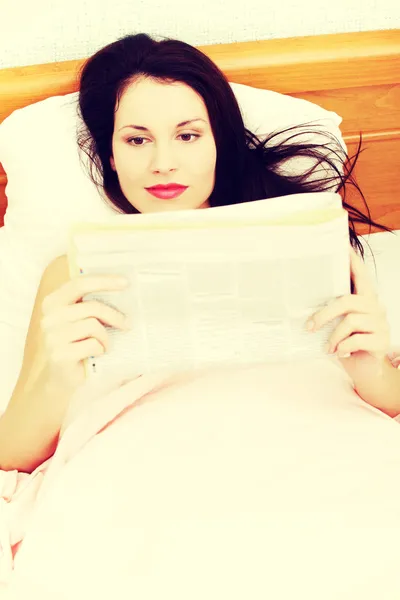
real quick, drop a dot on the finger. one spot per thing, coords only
(352, 324)
(342, 306)
(73, 353)
(360, 276)
(76, 332)
(74, 290)
(394, 354)
(363, 342)
(83, 310)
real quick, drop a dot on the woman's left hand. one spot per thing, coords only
(365, 328)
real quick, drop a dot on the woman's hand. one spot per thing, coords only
(364, 332)
(73, 330)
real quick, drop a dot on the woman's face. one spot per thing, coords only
(151, 147)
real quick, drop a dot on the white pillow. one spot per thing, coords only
(48, 190)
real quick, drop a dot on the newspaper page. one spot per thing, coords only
(281, 207)
(217, 293)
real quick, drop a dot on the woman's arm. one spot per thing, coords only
(364, 334)
(30, 426)
(63, 332)
(377, 382)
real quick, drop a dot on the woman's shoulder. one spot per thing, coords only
(57, 272)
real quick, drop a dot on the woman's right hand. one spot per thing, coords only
(73, 330)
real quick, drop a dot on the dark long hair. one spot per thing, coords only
(247, 167)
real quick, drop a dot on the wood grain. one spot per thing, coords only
(377, 172)
(356, 75)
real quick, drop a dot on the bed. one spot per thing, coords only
(357, 76)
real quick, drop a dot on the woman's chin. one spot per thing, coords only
(158, 205)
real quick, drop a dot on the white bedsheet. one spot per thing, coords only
(255, 483)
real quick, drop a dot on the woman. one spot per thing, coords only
(156, 114)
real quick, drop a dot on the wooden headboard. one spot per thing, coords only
(357, 75)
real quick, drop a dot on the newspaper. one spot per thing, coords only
(232, 285)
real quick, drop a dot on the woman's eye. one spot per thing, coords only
(190, 135)
(135, 138)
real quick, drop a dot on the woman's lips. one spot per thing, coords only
(166, 194)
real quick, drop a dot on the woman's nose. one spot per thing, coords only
(164, 159)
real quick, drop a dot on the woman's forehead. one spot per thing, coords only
(147, 98)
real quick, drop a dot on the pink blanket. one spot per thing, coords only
(227, 483)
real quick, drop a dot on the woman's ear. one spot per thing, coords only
(112, 163)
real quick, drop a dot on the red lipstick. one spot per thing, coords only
(172, 190)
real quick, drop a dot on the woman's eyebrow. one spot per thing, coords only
(141, 128)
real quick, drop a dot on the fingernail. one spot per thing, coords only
(343, 355)
(310, 325)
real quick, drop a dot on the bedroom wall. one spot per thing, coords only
(53, 30)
